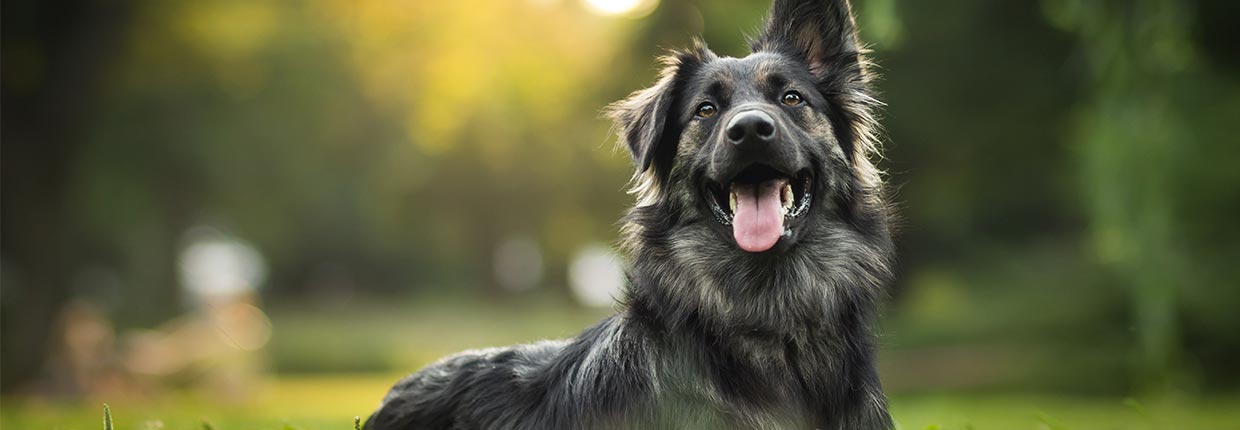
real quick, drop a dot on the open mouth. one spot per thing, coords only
(758, 202)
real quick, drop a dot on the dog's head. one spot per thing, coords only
(759, 149)
(758, 204)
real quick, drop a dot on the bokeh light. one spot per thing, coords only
(596, 276)
(630, 8)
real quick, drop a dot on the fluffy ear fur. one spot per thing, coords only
(820, 32)
(643, 119)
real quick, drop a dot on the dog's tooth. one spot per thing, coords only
(787, 197)
(732, 200)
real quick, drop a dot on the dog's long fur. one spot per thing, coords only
(710, 336)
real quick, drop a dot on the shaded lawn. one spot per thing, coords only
(331, 402)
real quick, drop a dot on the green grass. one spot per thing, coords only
(319, 402)
(301, 402)
(1048, 412)
(408, 335)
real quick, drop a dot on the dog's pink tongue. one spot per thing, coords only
(758, 222)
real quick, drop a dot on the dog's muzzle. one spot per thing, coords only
(758, 182)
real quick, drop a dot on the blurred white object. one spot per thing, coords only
(596, 276)
(215, 265)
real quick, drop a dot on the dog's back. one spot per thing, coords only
(580, 383)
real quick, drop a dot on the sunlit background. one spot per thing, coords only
(261, 213)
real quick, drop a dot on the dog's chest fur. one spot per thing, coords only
(752, 383)
(696, 378)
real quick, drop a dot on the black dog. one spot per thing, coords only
(758, 247)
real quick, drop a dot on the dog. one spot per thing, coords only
(758, 248)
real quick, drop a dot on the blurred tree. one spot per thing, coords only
(53, 55)
(979, 95)
(1137, 143)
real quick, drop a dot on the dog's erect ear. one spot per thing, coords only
(818, 31)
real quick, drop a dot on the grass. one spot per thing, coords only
(1048, 412)
(324, 384)
(330, 402)
(301, 402)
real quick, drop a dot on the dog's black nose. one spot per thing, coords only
(751, 128)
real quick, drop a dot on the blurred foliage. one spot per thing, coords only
(1137, 155)
(1062, 168)
(360, 135)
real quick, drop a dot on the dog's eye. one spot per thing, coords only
(792, 98)
(707, 110)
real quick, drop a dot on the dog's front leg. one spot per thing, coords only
(867, 410)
